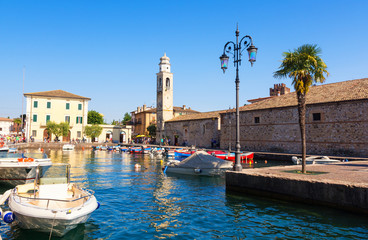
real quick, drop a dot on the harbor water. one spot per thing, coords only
(148, 204)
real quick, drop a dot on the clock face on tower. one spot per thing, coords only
(167, 107)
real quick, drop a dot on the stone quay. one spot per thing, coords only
(343, 185)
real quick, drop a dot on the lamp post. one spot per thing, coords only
(236, 50)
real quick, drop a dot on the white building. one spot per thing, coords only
(58, 106)
(6, 125)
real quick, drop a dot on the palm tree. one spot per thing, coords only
(305, 66)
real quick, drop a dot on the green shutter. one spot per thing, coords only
(35, 104)
(81, 119)
(34, 118)
(79, 106)
(47, 118)
(48, 104)
(67, 106)
(77, 119)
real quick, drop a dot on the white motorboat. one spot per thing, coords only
(20, 170)
(4, 149)
(314, 160)
(199, 163)
(68, 147)
(12, 150)
(51, 204)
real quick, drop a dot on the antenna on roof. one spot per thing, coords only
(24, 73)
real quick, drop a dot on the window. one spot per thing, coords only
(256, 119)
(48, 104)
(67, 119)
(34, 117)
(79, 134)
(34, 133)
(316, 116)
(160, 83)
(79, 106)
(35, 104)
(79, 119)
(48, 118)
(167, 83)
(67, 106)
(1, 129)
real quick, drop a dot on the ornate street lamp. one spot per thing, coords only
(236, 50)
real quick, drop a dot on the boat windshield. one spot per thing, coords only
(53, 174)
(23, 155)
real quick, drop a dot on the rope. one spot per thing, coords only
(52, 226)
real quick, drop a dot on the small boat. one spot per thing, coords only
(12, 150)
(22, 169)
(231, 156)
(156, 153)
(216, 152)
(140, 150)
(314, 160)
(136, 150)
(167, 153)
(199, 163)
(183, 153)
(124, 149)
(4, 149)
(67, 147)
(51, 204)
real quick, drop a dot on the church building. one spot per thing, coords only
(165, 110)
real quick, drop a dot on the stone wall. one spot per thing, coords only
(196, 132)
(342, 129)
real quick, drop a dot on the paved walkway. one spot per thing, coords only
(350, 173)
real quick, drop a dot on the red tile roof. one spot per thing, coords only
(6, 119)
(56, 93)
(334, 92)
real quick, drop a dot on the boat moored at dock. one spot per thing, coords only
(199, 163)
(51, 203)
(22, 169)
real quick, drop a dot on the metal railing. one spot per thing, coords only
(90, 193)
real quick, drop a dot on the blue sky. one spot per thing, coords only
(109, 50)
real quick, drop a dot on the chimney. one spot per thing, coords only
(144, 107)
(184, 107)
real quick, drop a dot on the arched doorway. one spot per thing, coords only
(46, 135)
(122, 137)
(108, 136)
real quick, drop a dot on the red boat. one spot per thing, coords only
(216, 152)
(231, 156)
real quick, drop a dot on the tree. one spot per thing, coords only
(127, 118)
(61, 129)
(152, 129)
(64, 129)
(114, 122)
(52, 128)
(304, 66)
(95, 117)
(17, 121)
(93, 131)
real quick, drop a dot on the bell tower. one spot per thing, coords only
(165, 102)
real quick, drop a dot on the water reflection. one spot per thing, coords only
(279, 218)
(148, 204)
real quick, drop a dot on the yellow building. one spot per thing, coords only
(58, 106)
(145, 116)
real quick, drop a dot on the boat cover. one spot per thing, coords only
(202, 160)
